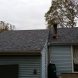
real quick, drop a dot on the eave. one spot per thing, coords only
(21, 53)
(49, 44)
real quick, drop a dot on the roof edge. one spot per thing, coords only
(49, 44)
(21, 53)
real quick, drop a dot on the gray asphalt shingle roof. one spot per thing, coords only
(65, 35)
(23, 40)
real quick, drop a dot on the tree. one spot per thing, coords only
(6, 26)
(63, 12)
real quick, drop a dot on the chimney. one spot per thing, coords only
(55, 31)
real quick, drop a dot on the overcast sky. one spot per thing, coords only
(24, 14)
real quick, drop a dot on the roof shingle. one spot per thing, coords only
(22, 40)
(65, 35)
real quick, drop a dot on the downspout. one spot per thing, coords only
(49, 50)
(49, 54)
(48, 46)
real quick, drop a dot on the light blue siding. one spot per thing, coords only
(61, 57)
(27, 64)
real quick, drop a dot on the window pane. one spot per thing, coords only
(9, 71)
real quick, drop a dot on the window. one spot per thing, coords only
(9, 71)
(75, 58)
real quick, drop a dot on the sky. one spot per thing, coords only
(24, 14)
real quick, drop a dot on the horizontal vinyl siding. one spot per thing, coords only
(27, 64)
(61, 57)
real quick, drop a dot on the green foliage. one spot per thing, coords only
(63, 12)
(6, 26)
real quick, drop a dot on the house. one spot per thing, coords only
(63, 49)
(28, 52)
(23, 54)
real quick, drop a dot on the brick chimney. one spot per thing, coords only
(55, 31)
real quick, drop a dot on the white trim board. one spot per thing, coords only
(72, 57)
(72, 50)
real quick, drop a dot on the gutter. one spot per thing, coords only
(49, 44)
(21, 53)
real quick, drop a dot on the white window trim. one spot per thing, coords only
(72, 59)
